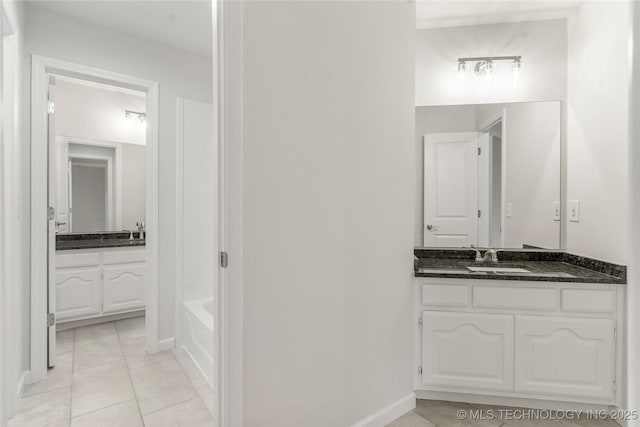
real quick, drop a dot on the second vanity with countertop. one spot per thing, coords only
(537, 329)
(99, 274)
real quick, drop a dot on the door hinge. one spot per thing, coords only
(224, 259)
(479, 151)
(420, 323)
(419, 370)
(51, 319)
(51, 107)
(615, 333)
(479, 213)
(51, 213)
(615, 387)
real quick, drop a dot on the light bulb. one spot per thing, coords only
(462, 67)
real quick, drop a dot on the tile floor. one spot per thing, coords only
(104, 378)
(435, 413)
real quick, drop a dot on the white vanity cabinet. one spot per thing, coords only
(550, 341)
(96, 282)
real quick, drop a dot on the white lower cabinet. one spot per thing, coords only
(123, 288)
(566, 356)
(94, 283)
(467, 350)
(77, 293)
(547, 341)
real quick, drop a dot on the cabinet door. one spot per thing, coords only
(467, 350)
(567, 356)
(77, 293)
(123, 288)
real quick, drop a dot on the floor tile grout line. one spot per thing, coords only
(135, 394)
(102, 409)
(197, 397)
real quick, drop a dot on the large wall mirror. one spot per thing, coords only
(490, 175)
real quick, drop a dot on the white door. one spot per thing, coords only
(51, 202)
(566, 356)
(467, 350)
(123, 288)
(451, 189)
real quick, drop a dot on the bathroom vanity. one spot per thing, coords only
(537, 329)
(99, 275)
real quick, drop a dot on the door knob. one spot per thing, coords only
(58, 223)
(432, 227)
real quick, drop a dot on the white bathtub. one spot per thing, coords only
(197, 334)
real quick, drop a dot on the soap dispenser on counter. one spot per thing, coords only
(140, 229)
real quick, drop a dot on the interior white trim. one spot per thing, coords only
(166, 344)
(40, 68)
(23, 380)
(389, 413)
(227, 61)
(497, 399)
(633, 271)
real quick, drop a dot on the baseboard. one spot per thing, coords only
(390, 413)
(166, 344)
(521, 402)
(71, 324)
(22, 381)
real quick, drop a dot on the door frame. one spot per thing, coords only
(493, 119)
(41, 67)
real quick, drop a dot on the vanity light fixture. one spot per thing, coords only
(484, 64)
(142, 117)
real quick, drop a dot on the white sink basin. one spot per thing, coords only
(498, 270)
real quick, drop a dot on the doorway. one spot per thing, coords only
(88, 167)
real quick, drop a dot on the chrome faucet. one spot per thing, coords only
(490, 255)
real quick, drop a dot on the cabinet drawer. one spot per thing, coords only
(124, 257)
(589, 300)
(72, 260)
(540, 299)
(445, 295)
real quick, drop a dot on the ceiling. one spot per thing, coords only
(454, 13)
(182, 24)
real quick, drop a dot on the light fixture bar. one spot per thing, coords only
(137, 113)
(490, 58)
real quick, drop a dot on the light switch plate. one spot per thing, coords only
(509, 210)
(556, 210)
(574, 210)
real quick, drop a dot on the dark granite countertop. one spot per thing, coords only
(543, 266)
(97, 240)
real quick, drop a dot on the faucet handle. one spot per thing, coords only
(478, 254)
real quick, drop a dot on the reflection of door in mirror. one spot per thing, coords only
(89, 193)
(451, 189)
(490, 187)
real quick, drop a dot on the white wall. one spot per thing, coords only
(597, 128)
(91, 112)
(541, 44)
(328, 170)
(456, 118)
(15, 278)
(179, 74)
